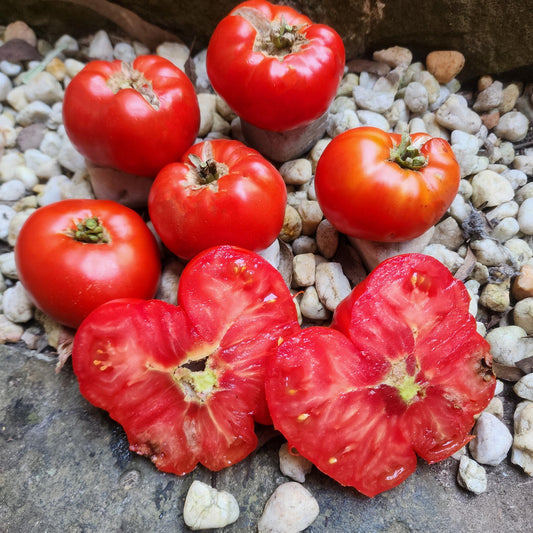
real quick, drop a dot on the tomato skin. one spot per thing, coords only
(66, 278)
(122, 130)
(244, 207)
(272, 93)
(131, 358)
(366, 195)
(402, 372)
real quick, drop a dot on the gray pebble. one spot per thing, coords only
(493, 440)
(455, 114)
(331, 284)
(512, 126)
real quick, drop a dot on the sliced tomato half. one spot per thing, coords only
(186, 382)
(401, 373)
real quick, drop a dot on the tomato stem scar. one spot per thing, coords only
(407, 155)
(89, 230)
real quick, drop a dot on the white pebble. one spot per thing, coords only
(522, 453)
(69, 157)
(6, 214)
(331, 284)
(43, 165)
(523, 315)
(293, 465)
(73, 66)
(44, 87)
(15, 226)
(469, 143)
(524, 387)
(416, 97)
(343, 121)
(17, 305)
(54, 190)
(490, 189)
(9, 331)
(5, 86)
(207, 103)
(327, 238)
(124, 52)
(100, 47)
(524, 163)
(10, 69)
(506, 229)
(206, 507)
(296, 172)
(12, 190)
(177, 53)
(272, 254)
(454, 114)
(303, 268)
(372, 100)
(26, 176)
(450, 259)
(519, 250)
(512, 126)
(507, 344)
(51, 144)
(505, 210)
(370, 118)
(290, 509)
(489, 252)
(311, 307)
(492, 440)
(471, 475)
(525, 216)
(417, 125)
(16, 98)
(516, 177)
(34, 112)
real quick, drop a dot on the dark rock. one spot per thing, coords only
(17, 50)
(473, 27)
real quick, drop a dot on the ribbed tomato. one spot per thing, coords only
(401, 373)
(187, 382)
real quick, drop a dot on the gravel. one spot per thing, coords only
(485, 238)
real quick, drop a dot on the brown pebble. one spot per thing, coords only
(484, 82)
(20, 30)
(445, 64)
(523, 284)
(490, 120)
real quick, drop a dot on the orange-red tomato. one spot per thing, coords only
(135, 118)
(75, 255)
(377, 186)
(221, 192)
(273, 66)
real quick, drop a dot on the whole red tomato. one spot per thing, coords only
(74, 255)
(222, 192)
(401, 373)
(135, 118)
(187, 382)
(377, 186)
(273, 66)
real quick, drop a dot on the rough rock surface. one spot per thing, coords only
(473, 26)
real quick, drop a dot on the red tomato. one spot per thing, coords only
(135, 118)
(74, 255)
(187, 382)
(222, 192)
(377, 186)
(273, 66)
(402, 373)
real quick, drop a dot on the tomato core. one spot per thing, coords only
(403, 380)
(129, 78)
(196, 385)
(90, 230)
(407, 154)
(207, 171)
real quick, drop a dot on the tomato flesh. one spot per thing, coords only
(187, 382)
(401, 373)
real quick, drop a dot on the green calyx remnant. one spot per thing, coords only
(91, 231)
(404, 382)
(408, 389)
(197, 384)
(283, 35)
(207, 171)
(407, 155)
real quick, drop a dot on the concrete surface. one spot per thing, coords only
(65, 467)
